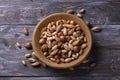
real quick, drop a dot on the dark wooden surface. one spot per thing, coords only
(16, 14)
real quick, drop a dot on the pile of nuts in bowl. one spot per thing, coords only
(62, 41)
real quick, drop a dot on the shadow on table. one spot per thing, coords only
(82, 69)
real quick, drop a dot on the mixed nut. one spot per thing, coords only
(63, 41)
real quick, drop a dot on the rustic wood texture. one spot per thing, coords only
(16, 14)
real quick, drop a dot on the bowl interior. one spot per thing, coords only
(54, 17)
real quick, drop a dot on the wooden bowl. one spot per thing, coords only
(54, 17)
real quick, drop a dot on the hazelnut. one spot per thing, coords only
(63, 38)
(42, 41)
(28, 45)
(44, 48)
(76, 49)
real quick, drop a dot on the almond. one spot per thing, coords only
(54, 52)
(70, 32)
(24, 63)
(25, 31)
(35, 64)
(31, 60)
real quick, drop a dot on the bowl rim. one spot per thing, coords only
(38, 25)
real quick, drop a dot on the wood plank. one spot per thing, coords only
(61, 78)
(105, 52)
(33, 12)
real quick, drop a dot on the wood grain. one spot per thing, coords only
(16, 14)
(61, 78)
(105, 52)
(32, 12)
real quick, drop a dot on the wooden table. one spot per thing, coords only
(16, 14)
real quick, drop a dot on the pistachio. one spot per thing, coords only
(25, 31)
